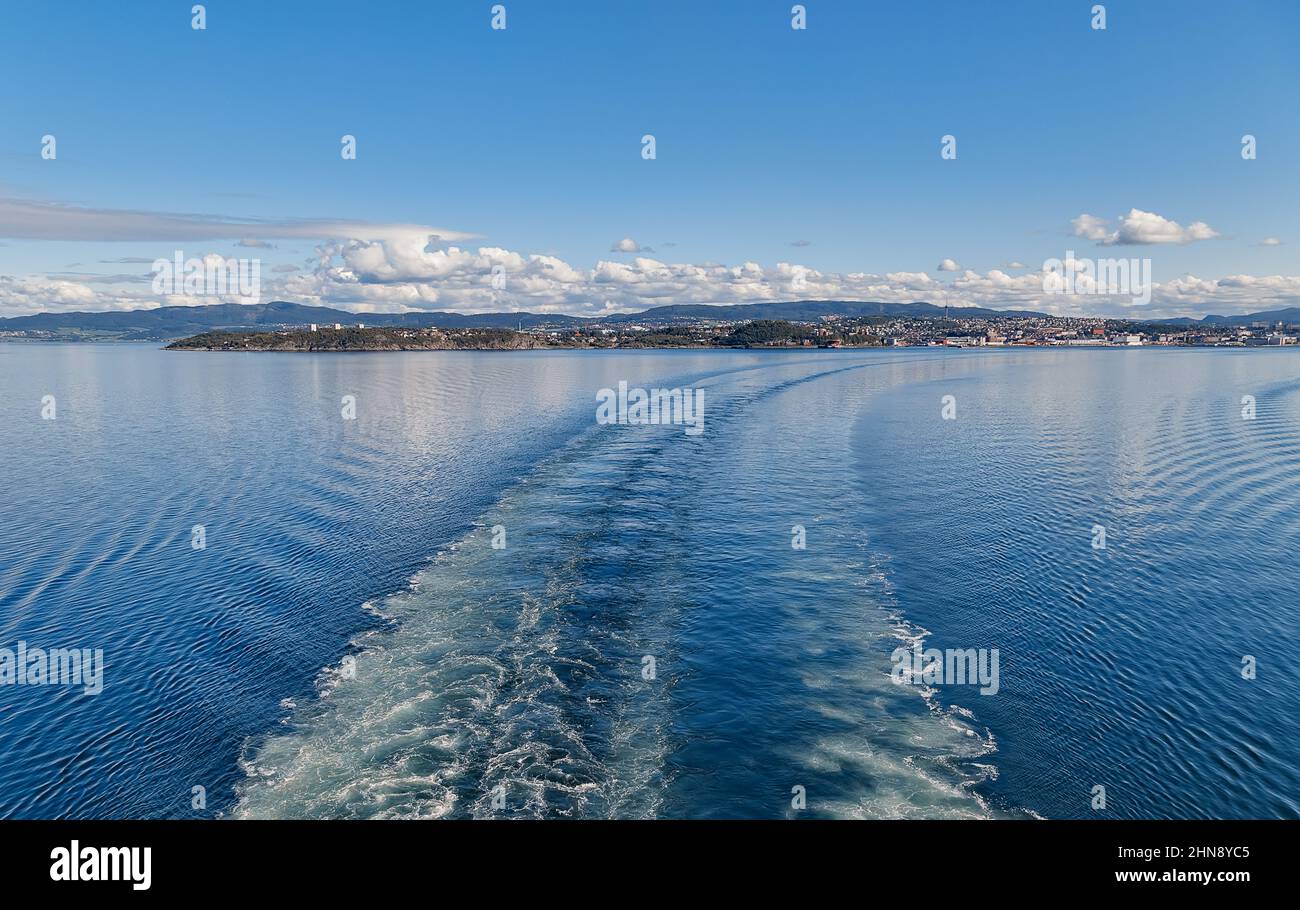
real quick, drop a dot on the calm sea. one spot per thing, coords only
(669, 625)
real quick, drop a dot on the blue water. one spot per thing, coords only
(349, 643)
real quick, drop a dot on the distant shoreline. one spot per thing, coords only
(344, 339)
(761, 336)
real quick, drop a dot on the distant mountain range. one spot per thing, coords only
(171, 322)
(166, 323)
(800, 310)
(1288, 315)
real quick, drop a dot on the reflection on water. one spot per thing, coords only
(648, 642)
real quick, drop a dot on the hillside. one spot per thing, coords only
(169, 323)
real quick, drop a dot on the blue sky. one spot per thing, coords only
(529, 138)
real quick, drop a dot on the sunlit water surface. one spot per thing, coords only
(350, 644)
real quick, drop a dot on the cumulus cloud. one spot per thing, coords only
(1138, 227)
(948, 265)
(1090, 227)
(1270, 241)
(365, 276)
(17, 295)
(394, 268)
(626, 245)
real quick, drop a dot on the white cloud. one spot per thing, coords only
(1090, 227)
(25, 219)
(377, 268)
(1139, 227)
(37, 293)
(626, 245)
(948, 265)
(376, 277)
(1270, 241)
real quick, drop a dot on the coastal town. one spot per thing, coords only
(1050, 330)
(825, 332)
(963, 331)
